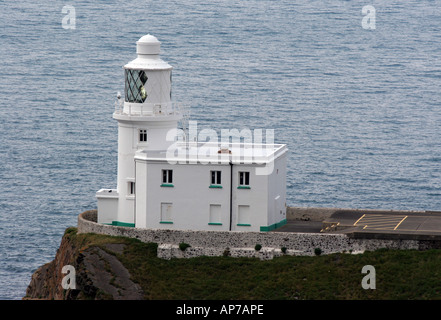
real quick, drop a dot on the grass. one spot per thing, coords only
(400, 274)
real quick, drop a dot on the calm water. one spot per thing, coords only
(359, 109)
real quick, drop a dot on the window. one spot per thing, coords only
(131, 188)
(170, 85)
(243, 216)
(216, 177)
(215, 214)
(142, 135)
(244, 179)
(167, 178)
(135, 81)
(166, 212)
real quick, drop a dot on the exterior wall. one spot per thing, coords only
(107, 205)
(242, 243)
(277, 194)
(190, 196)
(128, 144)
(141, 202)
(255, 197)
(126, 170)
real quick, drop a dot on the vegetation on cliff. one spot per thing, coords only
(124, 268)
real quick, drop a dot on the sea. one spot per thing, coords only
(352, 87)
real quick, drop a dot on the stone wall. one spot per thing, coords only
(236, 243)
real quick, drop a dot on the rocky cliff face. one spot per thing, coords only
(98, 274)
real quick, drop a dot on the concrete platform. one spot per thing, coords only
(421, 225)
(301, 226)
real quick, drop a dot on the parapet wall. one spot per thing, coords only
(237, 243)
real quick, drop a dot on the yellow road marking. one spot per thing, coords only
(382, 218)
(379, 222)
(359, 219)
(400, 222)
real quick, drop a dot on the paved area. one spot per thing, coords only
(378, 223)
(427, 223)
(301, 226)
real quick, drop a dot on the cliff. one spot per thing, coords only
(122, 268)
(98, 272)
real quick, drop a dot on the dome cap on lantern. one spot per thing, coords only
(148, 49)
(148, 44)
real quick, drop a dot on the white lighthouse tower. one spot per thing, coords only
(196, 185)
(144, 119)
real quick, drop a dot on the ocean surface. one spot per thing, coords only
(359, 108)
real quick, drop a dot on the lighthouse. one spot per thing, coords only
(164, 182)
(144, 118)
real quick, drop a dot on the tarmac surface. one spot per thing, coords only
(387, 224)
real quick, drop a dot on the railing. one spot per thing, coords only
(149, 109)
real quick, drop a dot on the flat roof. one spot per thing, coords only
(215, 153)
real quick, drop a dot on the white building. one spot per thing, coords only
(166, 181)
